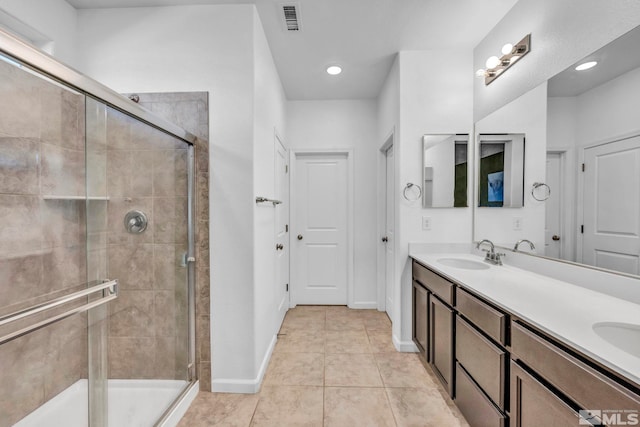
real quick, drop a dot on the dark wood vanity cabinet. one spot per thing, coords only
(441, 318)
(420, 318)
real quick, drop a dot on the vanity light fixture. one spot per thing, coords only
(586, 65)
(334, 70)
(510, 54)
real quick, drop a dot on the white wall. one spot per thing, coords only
(562, 32)
(435, 103)
(50, 25)
(268, 118)
(528, 115)
(347, 124)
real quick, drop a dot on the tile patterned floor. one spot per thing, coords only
(333, 366)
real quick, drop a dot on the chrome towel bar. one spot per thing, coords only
(109, 293)
(265, 200)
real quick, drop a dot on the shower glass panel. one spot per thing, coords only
(137, 186)
(89, 194)
(42, 246)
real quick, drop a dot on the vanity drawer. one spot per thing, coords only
(436, 284)
(491, 321)
(587, 387)
(534, 405)
(474, 405)
(485, 362)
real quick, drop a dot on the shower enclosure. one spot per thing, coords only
(96, 252)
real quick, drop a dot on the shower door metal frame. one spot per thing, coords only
(45, 65)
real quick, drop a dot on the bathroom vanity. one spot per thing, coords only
(517, 348)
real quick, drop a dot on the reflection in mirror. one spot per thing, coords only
(593, 152)
(501, 170)
(445, 171)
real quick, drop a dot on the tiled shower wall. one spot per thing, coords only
(42, 236)
(190, 110)
(146, 170)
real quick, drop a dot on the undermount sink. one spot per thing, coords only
(625, 336)
(466, 264)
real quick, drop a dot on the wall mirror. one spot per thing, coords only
(588, 154)
(445, 170)
(501, 170)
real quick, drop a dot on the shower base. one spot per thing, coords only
(132, 403)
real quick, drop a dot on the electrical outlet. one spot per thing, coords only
(517, 223)
(426, 223)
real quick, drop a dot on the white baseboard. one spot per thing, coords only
(404, 346)
(365, 305)
(251, 386)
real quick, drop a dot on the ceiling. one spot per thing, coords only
(614, 59)
(362, 36)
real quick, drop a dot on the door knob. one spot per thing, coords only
(279, 246)
(385, 239)
(555, 237)
(299, 236)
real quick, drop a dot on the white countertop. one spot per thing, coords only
(563, 310)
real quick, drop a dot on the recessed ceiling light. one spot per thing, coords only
(334, 70)
(586, 65)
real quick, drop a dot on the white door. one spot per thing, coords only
(612, 206)
(319, 235)
(553, 214)
(389, 232)
(282, 226)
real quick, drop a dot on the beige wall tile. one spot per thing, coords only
(132, 357)
(20, 166)
(170, 215)
(21, 280)
(132, 314)
(132, 265)
(62, 171)
(21, 230)
(21, 115)
(117, 209)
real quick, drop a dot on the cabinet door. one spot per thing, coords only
(441, 320)
(420, 318)
(534, 405)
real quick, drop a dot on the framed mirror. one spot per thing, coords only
(445, 170)
(501, 170)
(584, 162)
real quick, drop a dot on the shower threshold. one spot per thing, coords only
(132, 403)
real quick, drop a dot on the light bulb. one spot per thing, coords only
(481, 73)
(507, 49)
(334, 70)
(492, 62)
(586, 65)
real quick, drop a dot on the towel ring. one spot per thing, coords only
(537, 185)
(407, 187)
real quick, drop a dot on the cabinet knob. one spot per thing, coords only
(300, 237)
(385, 239)
(279, 246)
(555, 237)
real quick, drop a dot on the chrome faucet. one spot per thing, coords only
(531, 245)
(491, 257)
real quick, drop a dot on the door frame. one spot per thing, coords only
(278, 140)
(565, 219)
(389, 142)
(580, 186)
(349, 152)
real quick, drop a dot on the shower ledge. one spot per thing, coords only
(51, 197)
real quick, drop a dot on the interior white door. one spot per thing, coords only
(319, 235)
(612, 206)
(552, 224)
(281, 168)
(389, 232)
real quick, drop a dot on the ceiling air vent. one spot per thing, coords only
(291, 16)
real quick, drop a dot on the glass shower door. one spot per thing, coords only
(137, 232)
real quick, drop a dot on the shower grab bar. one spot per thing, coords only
(264, 199)
(109, 293)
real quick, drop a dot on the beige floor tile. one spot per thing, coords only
(289, 406)
(307, 320)
(421, 407)
(403, 370)
(295, 369)
(356, 407)
(220, 409)
(377, 323)
(347, 342)
(381, 342)
(344, 323)
(351, 370)
(300, 341)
